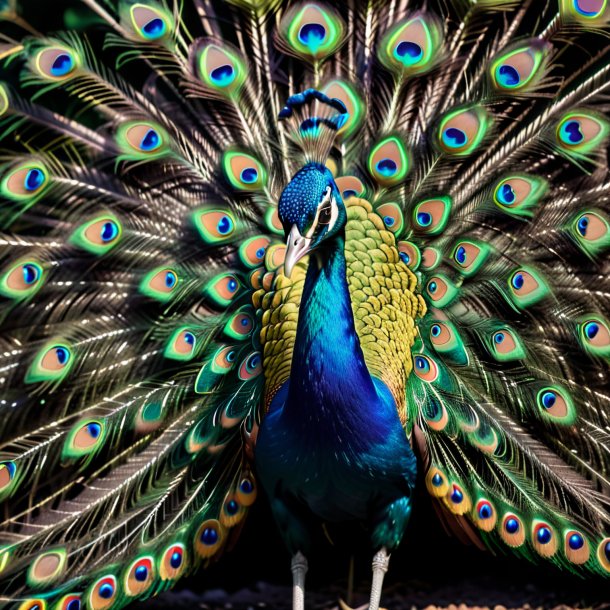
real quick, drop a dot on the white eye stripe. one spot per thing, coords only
(334, 213)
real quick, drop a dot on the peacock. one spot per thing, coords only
(323, 254)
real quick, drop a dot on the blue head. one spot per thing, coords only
(312, 212)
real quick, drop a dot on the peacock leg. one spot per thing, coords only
(381, 561)
(299, 569)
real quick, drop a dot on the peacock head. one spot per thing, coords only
(312, 212)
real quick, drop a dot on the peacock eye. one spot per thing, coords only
(325, 214)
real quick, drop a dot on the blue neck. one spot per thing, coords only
(329, 379)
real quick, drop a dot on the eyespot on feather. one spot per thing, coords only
(435, 414)
(251, 367)
(484, 515)
(232, 511)
(24, 181)
(544, 538)
(511, 530)
(243, 171)
(581, 132)
(47, 568)
(223, 289)
(526, 287)
(350, 186)
(8, 479)
(603, 554)
(425, 368)
(586, 12)
(389, 162)
(141, 140)
(99, 235)
(457, 499)
(173, 562)
(139, 576)
(182, 345)
(252, 251)
(520, 66)
(33, 604)
(272, 221)
(85, 438)
(518, 194)
(412, 46)
(555, 403)
(440, 291)
(160, 284)
(430, 258)
(71, 601)
(214, 226)
(468, 256)
(312, 31)
(594, 335)
(576, 547)
(505, 345)
(103, 593)
(436, 482)
(209, 538)
(52, 363)
(431, 215)
(591, 228)
(150, 23)
(56, 62)
(246, 490)
(221, 68)
(240, 325)
(392, 217)
(462, 131)
(22, 280)
(409, 254)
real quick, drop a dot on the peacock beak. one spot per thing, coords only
(297, 247)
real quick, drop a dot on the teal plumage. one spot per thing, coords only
(299, 252)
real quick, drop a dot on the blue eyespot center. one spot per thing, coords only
(106, 591)
(405, 258)
(109, 231)
(432, 287)
(548, 399)
(170, 279)
(245, 321)
(155, 28)
(511, 525)
(386, 167)
(460, 255)
(571, 133)
(591, 330)
(499, 338)
(232, 507)
(249, 175)
(31, 273)
(209, 536)
(389, 221)
(424, 219)
(260, 253)
(34, 179)
(62, 65)
(349, 193)
(224, 75)
(607, 550)
(150, 141)
(544, 535)
(518, 281)
(231, 356)
(435, 331)
(189, 338)
(94, 429)
(225, 225)
(408, 53)
(175, 560)
(456, 496)
(485, 511)
(583, 224)
(246, 486)
(62, 355)
(506, 194)
(454, 138)
(253, 361)
(73, 604)
(312, 35)
(508, 76)
(421, 363)
(576, 541)
(437, 480)
(232, 285)
(141, 573)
